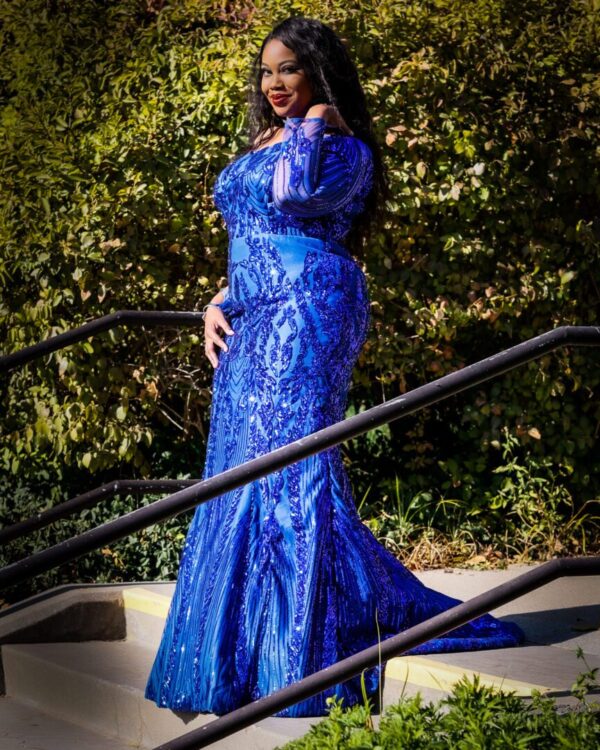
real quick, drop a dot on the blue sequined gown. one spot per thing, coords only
(280, 578)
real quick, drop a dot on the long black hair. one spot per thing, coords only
(334, 80)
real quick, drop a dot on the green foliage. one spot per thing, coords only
(490, 115)
(539, 510)
(525, 513)
(472, 716)
(151, 554)
(586, 681)
(115, 118)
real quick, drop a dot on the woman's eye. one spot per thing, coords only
(283, 70)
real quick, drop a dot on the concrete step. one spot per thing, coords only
(550, 669)
(102, 682)
(24, 727)
(102, 689)
(67, 613)
(547, 669)
(97, 643)
(89, 612)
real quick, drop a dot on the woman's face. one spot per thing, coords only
(283, 81)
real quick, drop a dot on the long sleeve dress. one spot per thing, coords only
(280, 578)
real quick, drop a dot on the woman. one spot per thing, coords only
(279, 578)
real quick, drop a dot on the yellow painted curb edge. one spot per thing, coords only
(427, 673)
(144, 600)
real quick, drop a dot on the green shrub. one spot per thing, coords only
(472, 716)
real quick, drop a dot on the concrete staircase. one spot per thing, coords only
(74, 663)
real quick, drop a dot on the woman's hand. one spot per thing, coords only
(214, 320)
(330, 114)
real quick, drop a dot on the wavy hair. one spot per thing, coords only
(334, 80)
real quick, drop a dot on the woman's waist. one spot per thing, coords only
(287, 242)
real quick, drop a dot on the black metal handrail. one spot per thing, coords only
(99, 325)
(370, 657)
(401, 406)
(89, 500)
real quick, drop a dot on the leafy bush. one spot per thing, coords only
(472, 716)
(115, 118)
(526, 513)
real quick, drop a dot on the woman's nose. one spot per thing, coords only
(275, 80)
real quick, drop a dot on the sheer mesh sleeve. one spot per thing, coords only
(315, 174)
(226, 306)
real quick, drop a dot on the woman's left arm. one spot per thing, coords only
(313, 176)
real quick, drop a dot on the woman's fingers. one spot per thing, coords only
(213, 320)
(332, 116)
(214, 336)
(221, 321)
(210, 353)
